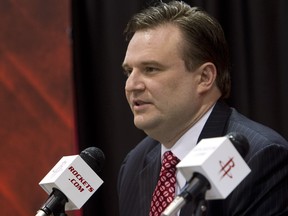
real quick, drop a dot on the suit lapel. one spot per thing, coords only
(148, 178)
(215, 126)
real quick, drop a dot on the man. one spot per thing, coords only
(177, 79)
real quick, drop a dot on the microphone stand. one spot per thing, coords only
(55, 204)
(194, 192)
(200, 206)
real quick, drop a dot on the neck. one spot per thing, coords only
(168, 139)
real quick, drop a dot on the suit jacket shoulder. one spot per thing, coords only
(265, 190)
(138, 177)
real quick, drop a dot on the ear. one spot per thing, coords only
(207, 73)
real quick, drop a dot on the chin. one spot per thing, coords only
(145, 124)
(142, 125)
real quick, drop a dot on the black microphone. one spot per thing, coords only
(72, 181)
(208, 168)
(240, 142)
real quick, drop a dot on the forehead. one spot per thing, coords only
(161, 41)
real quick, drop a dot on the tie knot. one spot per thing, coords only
(169, 161)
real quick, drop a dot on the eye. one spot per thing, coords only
(127, 71)
(150, 69)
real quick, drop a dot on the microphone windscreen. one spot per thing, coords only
(240, 142)
(94, 157)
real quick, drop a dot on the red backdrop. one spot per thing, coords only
(36, 99)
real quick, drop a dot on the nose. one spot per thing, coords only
(134, 82)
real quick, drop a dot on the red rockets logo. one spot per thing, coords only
(226, 168)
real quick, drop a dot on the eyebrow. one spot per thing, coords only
(145, 63)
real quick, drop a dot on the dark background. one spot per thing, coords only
(256, 31)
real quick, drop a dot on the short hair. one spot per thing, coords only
(203, 36)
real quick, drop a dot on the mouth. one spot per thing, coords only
(139, 104)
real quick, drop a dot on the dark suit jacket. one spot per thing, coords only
(263, 192)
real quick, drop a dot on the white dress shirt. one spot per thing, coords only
(184, 145)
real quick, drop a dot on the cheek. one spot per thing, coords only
(174, 96)
(182, 95)
(181, 88)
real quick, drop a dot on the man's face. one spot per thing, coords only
(160, 90)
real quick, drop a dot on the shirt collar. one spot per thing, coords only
(189, 140)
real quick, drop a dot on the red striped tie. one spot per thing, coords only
(165, 189)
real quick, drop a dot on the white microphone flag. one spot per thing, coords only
(219, 161)
(74, 177)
